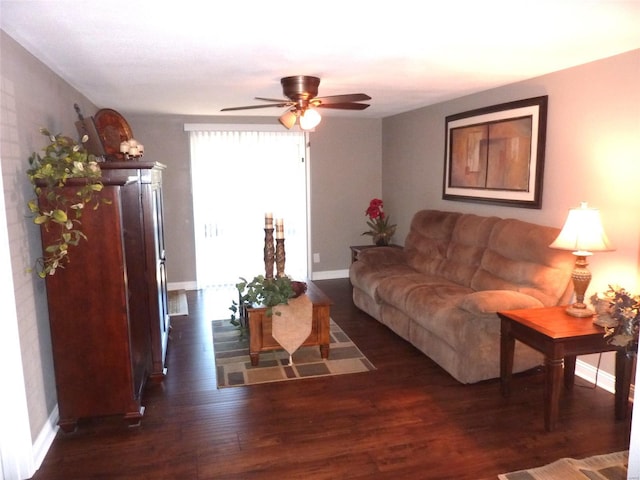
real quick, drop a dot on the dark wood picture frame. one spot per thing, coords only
(495, 154)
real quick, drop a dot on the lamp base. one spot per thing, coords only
(580, 312)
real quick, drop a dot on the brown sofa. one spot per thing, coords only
(441, 292)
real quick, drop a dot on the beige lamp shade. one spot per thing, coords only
(583, 232)
(288, 119)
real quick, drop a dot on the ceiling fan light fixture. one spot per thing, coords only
(302, 101)
(288, 119)
(310, 119)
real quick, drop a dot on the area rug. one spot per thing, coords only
(612, 466)
(178, 303)
(233, 365)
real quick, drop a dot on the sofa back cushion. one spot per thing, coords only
(468, 242)
(428, 240)
(518, 258)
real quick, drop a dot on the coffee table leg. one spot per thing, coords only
(324, 351)
(552, 388)
(255, 358)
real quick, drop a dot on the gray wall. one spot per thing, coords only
(32, 97)
(345, 175)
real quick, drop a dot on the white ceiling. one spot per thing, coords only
(196, 57)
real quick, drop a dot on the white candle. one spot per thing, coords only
(141, 148)
(124, 147)
(133, 151)
(279, 229)
(268, 220)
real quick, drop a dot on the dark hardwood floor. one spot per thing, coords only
(406, 420)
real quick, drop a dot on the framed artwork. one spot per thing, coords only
(496, 154)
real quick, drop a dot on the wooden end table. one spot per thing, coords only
(560, 337)
(260, 338)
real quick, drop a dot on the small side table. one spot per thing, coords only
(356, 249)
(560, 337)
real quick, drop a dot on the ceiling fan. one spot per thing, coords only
(302, 91)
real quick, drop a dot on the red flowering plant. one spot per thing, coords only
(381, 232)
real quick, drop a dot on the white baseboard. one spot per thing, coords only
(182, 285)
(605, 380)
(602, 379)
(45, 438)
(330, 274)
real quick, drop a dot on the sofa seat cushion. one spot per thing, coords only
(492, 301)
(458, 316)
(396, 290)
(434, 308)
(367, 276)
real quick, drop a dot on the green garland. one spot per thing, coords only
(268, 292)
(63, 159)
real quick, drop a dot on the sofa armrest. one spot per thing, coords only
(492, 301)
(383, 256)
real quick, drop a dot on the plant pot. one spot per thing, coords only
(381, 240)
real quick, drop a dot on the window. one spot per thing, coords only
(238, 176)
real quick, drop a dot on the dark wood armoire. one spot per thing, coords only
(108, 307)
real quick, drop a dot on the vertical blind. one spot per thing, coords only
(237, 177)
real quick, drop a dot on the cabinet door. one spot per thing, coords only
(158, 281)
(133, 242)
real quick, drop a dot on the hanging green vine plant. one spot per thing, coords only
(63, 159)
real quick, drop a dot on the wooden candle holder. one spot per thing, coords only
(268, 252)
(280, 257)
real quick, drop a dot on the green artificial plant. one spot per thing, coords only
(267, 292)
(63, 160)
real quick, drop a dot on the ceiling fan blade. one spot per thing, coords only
(251, 107)
(344, 106)
(277, 100)
(349, 97)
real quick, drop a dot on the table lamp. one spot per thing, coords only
(583, 234)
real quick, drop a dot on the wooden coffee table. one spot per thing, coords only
(260, 338)
(560, 337)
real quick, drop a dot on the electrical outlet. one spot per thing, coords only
(316, 258)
